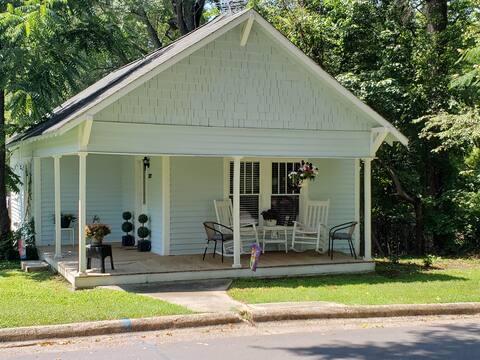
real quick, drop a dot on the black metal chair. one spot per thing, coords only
(216, 232)
(336, 233)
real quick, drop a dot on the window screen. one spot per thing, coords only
(285, 197)
(249, 190)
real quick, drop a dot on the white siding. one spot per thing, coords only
(335, 181)
(195, 183)
(226, 85)
(107, 192)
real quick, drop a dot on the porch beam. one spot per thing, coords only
(246, 30)
(82, 197)
(236, 212)
(85, 133)
(367, 208)
(58, 207)
(37, 199)
(377, 136)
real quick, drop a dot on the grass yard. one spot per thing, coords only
(451, 280)
(44, 298)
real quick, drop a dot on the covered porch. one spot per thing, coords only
(177, 193)
(134, 267)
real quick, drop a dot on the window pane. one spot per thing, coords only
(274, 178)
(287, 208)
(256, 178)
(248, 178)
(282, 178)
(248, 208)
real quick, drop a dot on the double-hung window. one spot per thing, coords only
(285, 198)
(249, 190)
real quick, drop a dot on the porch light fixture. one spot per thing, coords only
(146, 165)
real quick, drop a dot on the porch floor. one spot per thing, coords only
(132, 266)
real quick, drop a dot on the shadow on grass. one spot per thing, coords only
(385, 273)
(439, 342)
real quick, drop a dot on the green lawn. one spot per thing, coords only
(407, 283)
(44, 298)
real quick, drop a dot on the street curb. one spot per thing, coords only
(360, 311)
(117, 326)
(250, 313)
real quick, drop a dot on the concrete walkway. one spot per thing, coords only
(200, 296)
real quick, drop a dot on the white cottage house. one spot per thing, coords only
(224, 112)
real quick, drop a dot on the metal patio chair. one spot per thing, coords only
(336, 233)
(216, 232)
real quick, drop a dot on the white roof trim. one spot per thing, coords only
(198, 39)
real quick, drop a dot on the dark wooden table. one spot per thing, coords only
(99, 252)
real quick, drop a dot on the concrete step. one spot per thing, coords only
(34, 266)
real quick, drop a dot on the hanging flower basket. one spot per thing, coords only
(306, 171)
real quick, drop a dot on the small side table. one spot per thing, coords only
(99, 252)
(275, 236)
(71, 233)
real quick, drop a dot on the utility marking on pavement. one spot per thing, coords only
(127, 324)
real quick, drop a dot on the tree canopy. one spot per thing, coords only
(416, 62)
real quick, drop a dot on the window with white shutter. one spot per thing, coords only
(285, 198)
(249, 190)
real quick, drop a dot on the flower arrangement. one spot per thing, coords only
(306, 171)
(270, 217)
(97, 232)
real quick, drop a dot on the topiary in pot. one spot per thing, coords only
(127, 227)
(143, 232)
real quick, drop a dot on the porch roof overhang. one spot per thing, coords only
(83, 107)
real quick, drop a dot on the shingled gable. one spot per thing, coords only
(118, 83)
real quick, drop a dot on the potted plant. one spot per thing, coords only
(96, 232)
(270, 217)
(306, 171)
(143, 232)
(127, 227)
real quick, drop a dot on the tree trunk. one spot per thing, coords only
(188, 14)
(152, 32)
(4, 218)
(417, 204)
(437, 15)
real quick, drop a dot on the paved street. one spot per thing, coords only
(407, 338)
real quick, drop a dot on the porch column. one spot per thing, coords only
(37, 199)
(166, 205)
(82, 197)
(236, 212)
(357, 204)
(58, 207)
(368, 208)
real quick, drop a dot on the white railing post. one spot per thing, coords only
(236, 212)
(58, 207)
(82, 198)
(368, 208)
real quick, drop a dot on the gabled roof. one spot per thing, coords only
(95, 97)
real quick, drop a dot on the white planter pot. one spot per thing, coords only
(270, 222)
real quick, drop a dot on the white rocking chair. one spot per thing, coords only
(312, 230)
(248, 231)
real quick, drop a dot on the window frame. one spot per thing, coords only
(265, 182)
